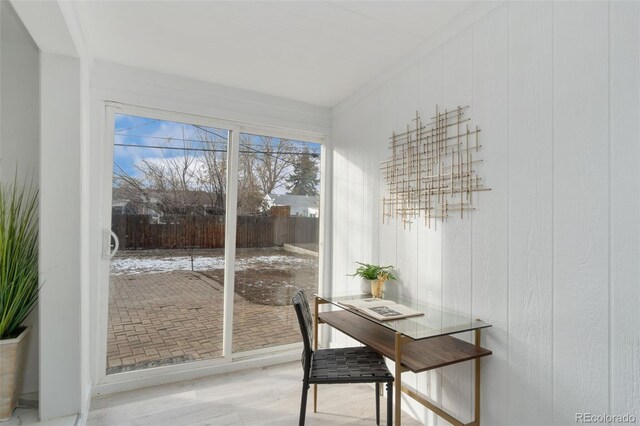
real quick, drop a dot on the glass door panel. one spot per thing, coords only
(168, 213)
(277, 238)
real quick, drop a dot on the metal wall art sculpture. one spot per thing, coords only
(431, 170)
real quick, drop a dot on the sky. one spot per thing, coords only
(143, 137)
(142, 134)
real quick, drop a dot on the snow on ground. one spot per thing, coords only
(145, 265)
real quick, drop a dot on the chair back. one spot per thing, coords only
(305, 320)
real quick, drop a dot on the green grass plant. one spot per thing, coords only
(18, 256)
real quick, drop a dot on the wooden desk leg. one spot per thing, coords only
(315, 348)
(398, 379)
(477, 383)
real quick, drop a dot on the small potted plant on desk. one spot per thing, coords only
(18, 286)
(376, 275)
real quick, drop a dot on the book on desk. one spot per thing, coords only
(381, 309)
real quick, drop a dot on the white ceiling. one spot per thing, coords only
(311, 51)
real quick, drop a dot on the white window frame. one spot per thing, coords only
(230, 361)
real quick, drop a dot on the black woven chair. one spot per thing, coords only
(334, 366)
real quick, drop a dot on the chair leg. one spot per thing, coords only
(378, 403)
(389, 403)
(303, 402)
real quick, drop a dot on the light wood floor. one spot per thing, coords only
(268, 396)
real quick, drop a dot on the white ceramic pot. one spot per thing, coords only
(365, 286)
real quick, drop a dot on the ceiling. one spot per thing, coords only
(311, 51)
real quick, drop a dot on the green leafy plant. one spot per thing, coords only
(18, 256)
(373, 272)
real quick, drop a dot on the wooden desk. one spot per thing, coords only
(409, 353)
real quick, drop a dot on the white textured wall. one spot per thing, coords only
(20, 129)
(551, 256)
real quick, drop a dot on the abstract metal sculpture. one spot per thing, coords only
(431, 170)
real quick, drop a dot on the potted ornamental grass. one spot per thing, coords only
(18, 285)
(376, 275)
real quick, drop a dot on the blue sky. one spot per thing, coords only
(143, 132)
(147, 132)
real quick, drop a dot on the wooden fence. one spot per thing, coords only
(135, 232)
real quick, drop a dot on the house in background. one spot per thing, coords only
(549, 256)
(157, 204)
(299, 205)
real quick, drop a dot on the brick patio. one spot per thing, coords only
(173, 317)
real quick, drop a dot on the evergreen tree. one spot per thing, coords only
(304, 179)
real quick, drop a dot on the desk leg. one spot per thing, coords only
(315, 348)
(398, 379)
(477, 383)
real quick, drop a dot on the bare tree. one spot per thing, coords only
(192, 182)
(250, 196)
(273, 157)
(213, 173)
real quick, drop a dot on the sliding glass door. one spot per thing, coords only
(168, 214)
(186, 283)
(276, 239)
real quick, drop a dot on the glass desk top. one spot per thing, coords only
(435, 321)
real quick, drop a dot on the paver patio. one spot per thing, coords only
(172, 317)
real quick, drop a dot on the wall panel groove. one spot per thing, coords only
(456, 233)
(530, 218)
(490, 222)
(580, 209)
(625, 207)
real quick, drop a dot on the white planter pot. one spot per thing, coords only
(13, 354)
(365, 286)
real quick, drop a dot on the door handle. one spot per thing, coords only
(107, 252)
